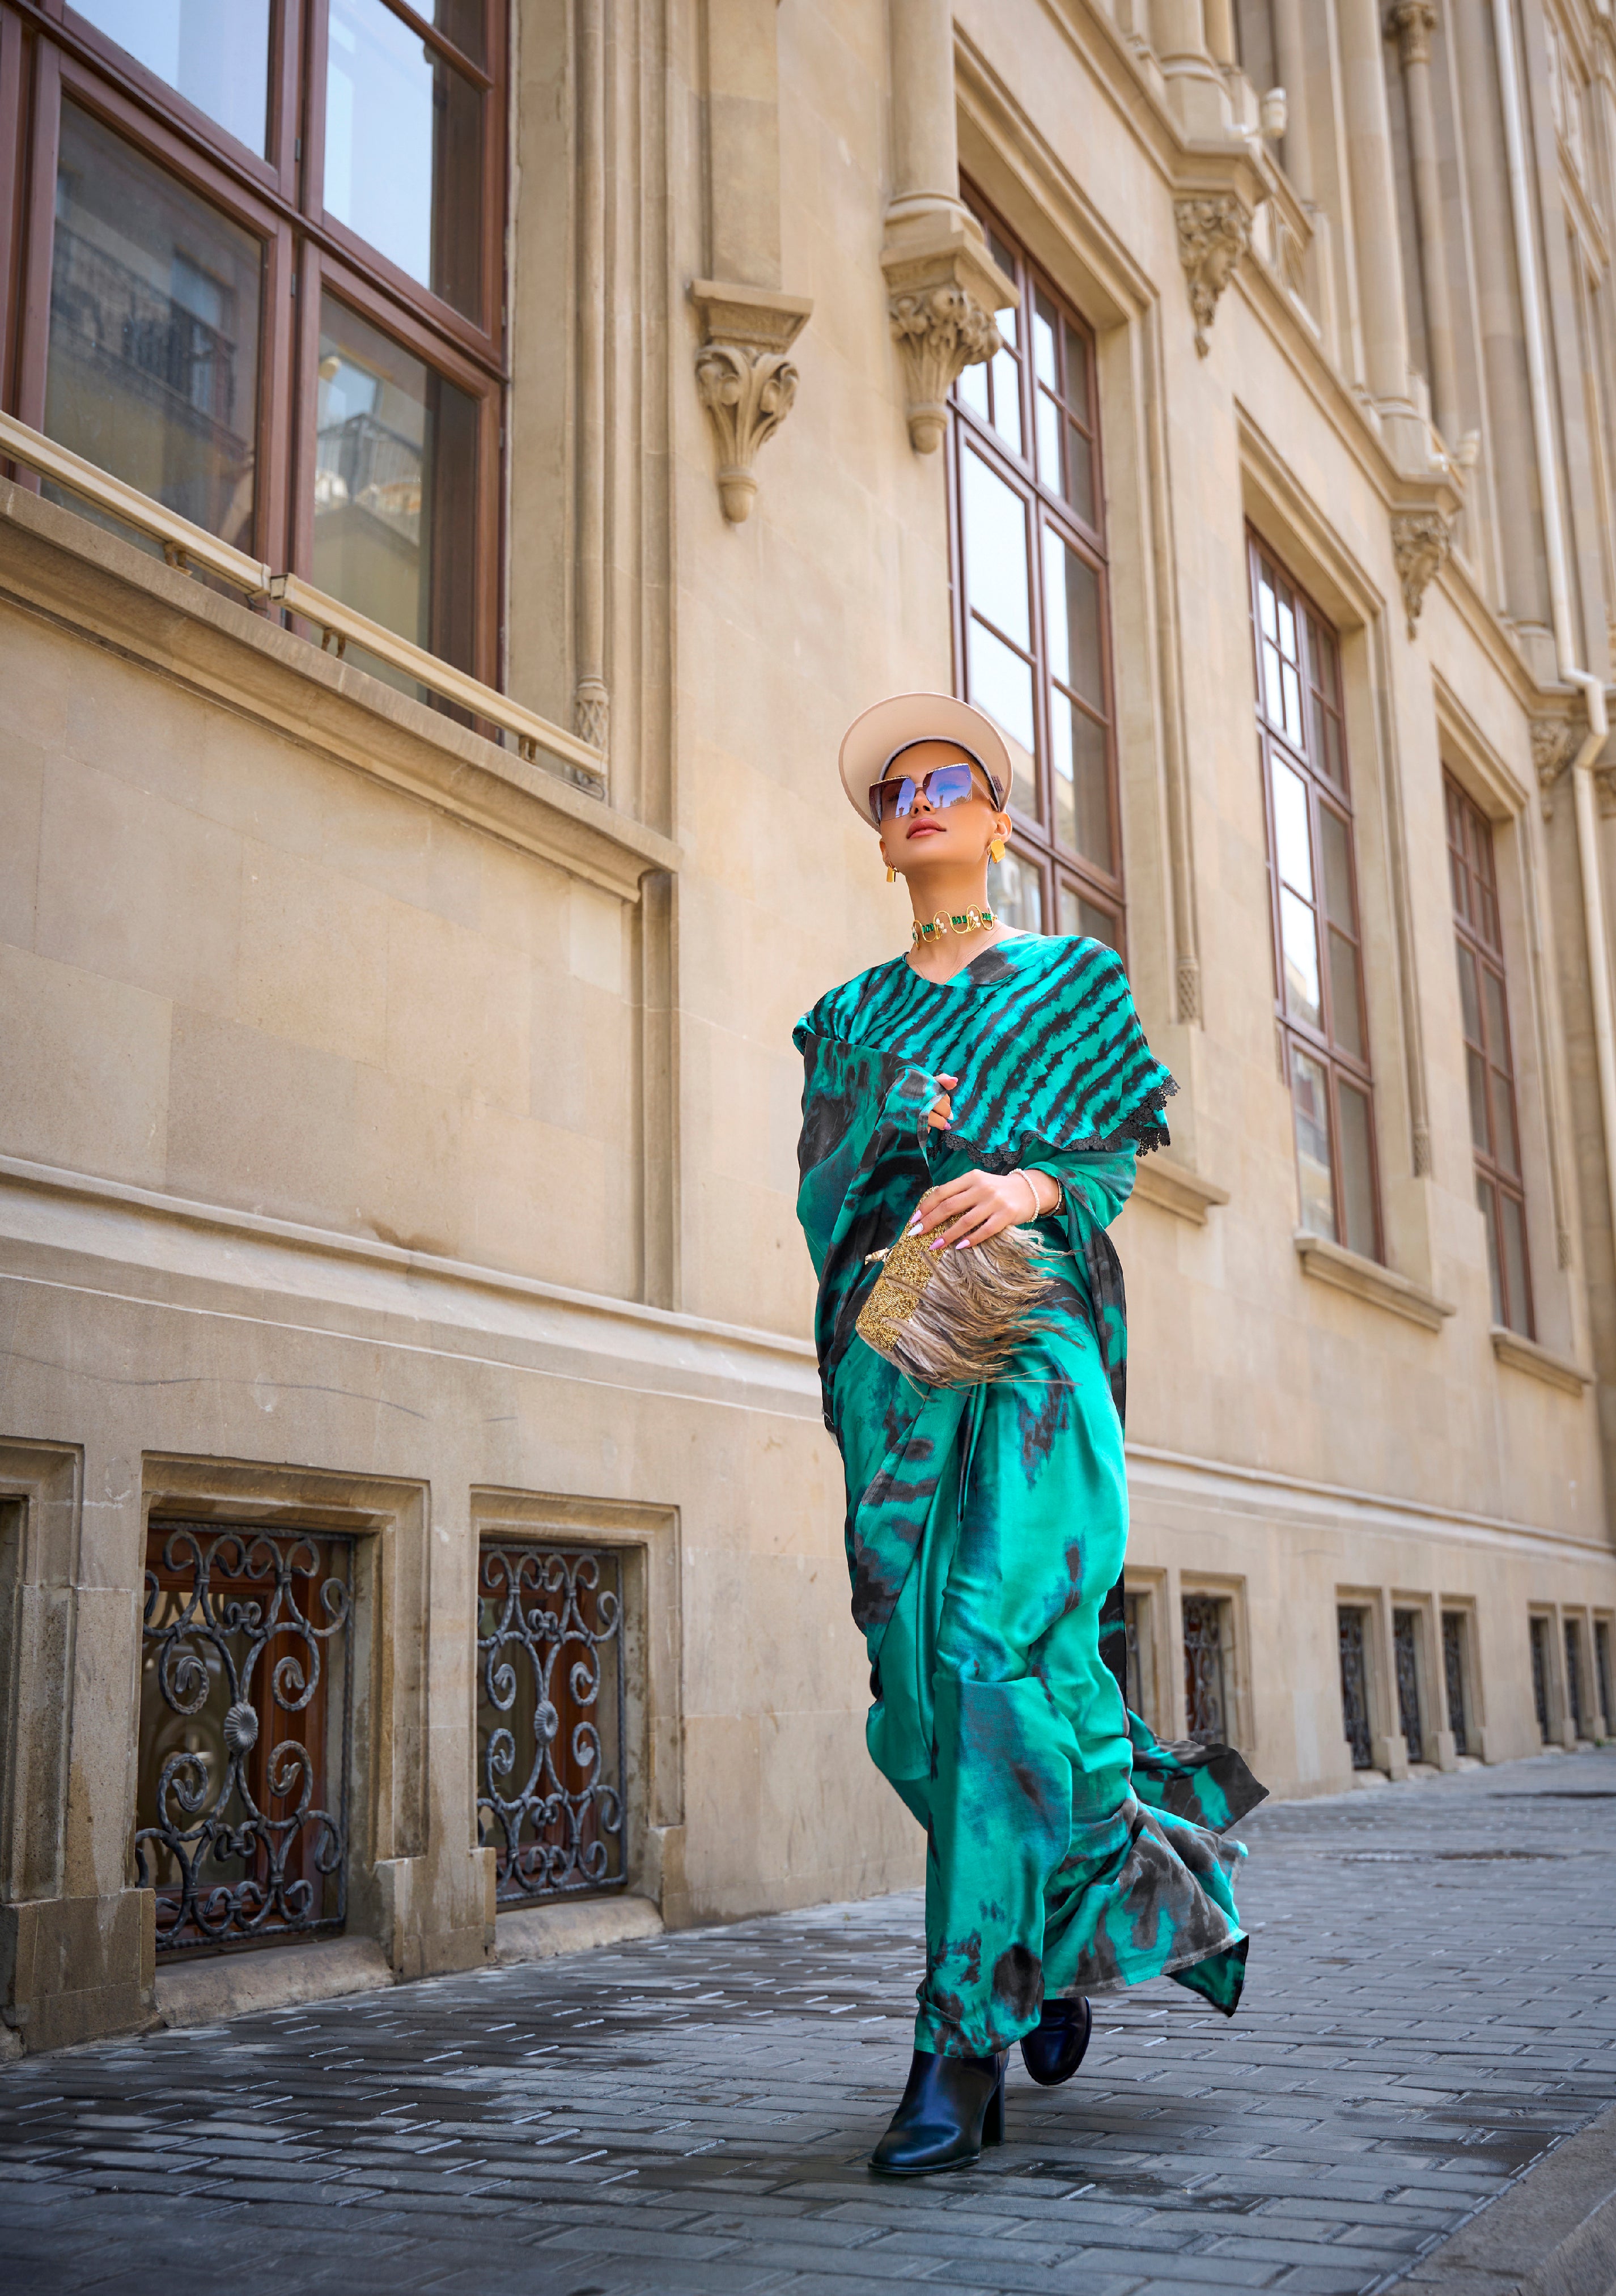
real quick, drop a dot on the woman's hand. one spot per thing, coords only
(979, 1205)
(939, 1116)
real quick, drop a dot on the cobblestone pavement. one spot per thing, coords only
(1432, 2004)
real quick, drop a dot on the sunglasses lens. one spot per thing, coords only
(947, 785)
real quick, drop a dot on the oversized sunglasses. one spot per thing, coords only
(943, 785)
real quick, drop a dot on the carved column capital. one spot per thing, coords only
(1213, 233)
(943, 287)
(1411, 23)
(744, 378)
(1553, 739)
(1421, 540)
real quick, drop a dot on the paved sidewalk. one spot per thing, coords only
(1432, 2004)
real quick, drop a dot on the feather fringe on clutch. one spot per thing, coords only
(955, 1318)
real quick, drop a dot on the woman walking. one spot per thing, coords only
(986, 1094)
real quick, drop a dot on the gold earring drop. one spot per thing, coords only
(892, 875)
(995, 846)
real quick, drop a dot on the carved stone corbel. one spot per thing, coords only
(943, 287)
(1421, 540)
(1553, 742)
(1213, 234)
(744, 378)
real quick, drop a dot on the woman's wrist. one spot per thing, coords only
(1045, 1189)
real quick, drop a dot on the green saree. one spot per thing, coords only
(1068, 1852)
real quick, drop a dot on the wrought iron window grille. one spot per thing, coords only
(1205, 1681)
(1355, 1687)
(1453, 1665)
(1573, 1677)
(1538, 1629)
(551, 1735)
(245, 1725)
(1405, 1631)
(1601, 1661)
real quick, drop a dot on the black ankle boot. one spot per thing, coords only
(1053, 2050)
(951, 2108)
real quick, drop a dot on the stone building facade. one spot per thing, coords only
(466, 469)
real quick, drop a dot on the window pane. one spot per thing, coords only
(1517, 1302)
(462, 21)
(1293, 839)
(1077, 374)
(395, 487)
(1071, 610)
(152, 363)
(1050, 427)
(1299, 938)
(1081, 781)
(217, 57)
(972, 389)
(1268, 609)
(995, 520)
(1475, 1071)
(1080, 916)
(1498, 1025)
(1335, 839)
(1044, 340)
(1007, 385)
(1312, 1110)
(1470, 1002)
(1487, 1196)
(404, 151)
(1001, 684)
(1358, 1170)
(1346, 1008)
(1015, 894)
(1506, 1148)
(1080, 474)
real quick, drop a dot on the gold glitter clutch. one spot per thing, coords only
(955, 1318)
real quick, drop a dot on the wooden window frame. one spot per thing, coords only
(47, 52)
(1045, 508)
(1322, 1044)
(1475, 895)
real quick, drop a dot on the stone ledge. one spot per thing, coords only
(1173, 1188)
(540, 1932)
(1539, 1362)
(234, 1985)
(1368, 1280)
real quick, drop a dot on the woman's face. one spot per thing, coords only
(956, 834)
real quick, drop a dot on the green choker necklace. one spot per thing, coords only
(959, 921)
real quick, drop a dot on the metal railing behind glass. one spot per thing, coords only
(1354, 1686)
(550, 1718)
(245, 1719)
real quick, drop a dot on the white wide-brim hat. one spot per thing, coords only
(874, 741)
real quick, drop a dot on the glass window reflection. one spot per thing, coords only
(404, 151)
(395, 488)
(151, 368)
(215, 52)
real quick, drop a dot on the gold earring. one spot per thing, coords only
(892, 875)
(995, 846)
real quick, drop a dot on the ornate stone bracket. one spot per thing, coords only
(1213, 233)
(1421, 540)
(943, 289)
(1554, 739)
(743, 377)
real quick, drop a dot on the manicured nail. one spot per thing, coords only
(937, 1243)
(914, 1224)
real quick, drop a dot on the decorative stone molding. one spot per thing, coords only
(743, 377)
(592, 713)
(943, 287)
(1213, 234)
(1553, 738)
(1368, 1280)
(1173, 1188)
(1539, 1362)
(1411, 23)
(1189, 988)
(1421, 540)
